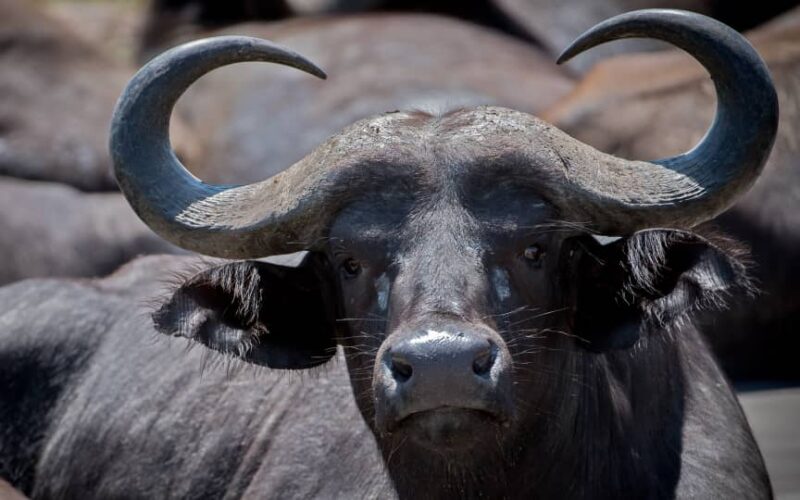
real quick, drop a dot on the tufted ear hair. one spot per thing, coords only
(654, 278)
(263, 313)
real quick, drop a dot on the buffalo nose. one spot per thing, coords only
(456, 368)
(457, 354)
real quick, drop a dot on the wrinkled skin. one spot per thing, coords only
(57, 93)
(594, 362)
(50, 230)
(377, 64)
(666, 101)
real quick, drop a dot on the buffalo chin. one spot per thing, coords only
(449, 428)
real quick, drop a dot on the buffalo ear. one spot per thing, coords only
(652, 279)
(263, 313)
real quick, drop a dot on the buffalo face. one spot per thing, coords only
(464, 317)
(428, 300)
(453, 257)
(463, 311)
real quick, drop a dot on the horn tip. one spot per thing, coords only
(568, 54)
(311, 68)
(320, 74)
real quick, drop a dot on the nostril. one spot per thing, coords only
(401, 369)
(484, 360)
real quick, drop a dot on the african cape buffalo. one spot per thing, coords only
(496, 345)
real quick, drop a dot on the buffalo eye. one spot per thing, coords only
(534, 254)
(351, 268)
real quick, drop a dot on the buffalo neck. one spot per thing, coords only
(613, 425)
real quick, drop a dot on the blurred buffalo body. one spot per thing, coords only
(173, 19)
(257, 119)
(652, 105)
(555, 23)
(551, 23)
(169, 20)
(50, 229)
(56, 97)
(57, 93)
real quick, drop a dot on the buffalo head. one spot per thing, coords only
(455, 257)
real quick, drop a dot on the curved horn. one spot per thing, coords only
(695, 186)
(224, 221)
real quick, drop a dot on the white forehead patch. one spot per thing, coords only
(382, 287)
(500, 283)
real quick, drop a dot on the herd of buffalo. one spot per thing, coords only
(448, 249)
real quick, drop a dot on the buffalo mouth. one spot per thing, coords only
(450, 428)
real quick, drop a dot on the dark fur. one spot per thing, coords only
(138, 408)
(606, 390)
(253, 310)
